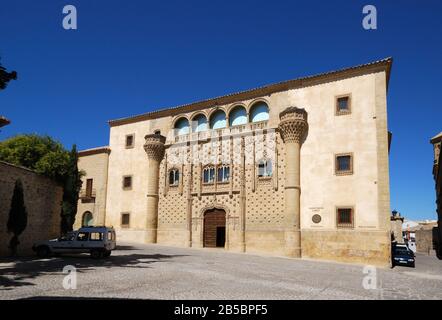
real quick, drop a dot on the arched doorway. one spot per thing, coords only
(87, 219)
(214, 228)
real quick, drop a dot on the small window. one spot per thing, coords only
(344, 218)
(125, 220)
(127, 182)
(89, 183)
(110, 236)
(343, 105)
(265, 168)
(223, 174)
(130, 139)
(96, 236)
(209, 175)
(82, 236)
(344, 164)
(174, 177)
(157, 132)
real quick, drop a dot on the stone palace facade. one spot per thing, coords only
(297, 168)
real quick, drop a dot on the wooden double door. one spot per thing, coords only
(214, 228)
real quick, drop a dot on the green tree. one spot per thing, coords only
(39, 153)
(18, 216)
(6, 76)
(48, 157)
(71, 190)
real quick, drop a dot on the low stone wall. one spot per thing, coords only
(364, 247)
(42, 197)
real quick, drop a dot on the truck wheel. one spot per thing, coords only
(107, 254)
(96, 254)
(43, 251)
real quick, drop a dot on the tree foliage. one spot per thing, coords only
(18, 216)
(72, 187)
(48, 157)
(39, 153)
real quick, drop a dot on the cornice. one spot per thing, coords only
(89, 152)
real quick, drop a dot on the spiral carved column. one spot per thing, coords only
(293, 128)
(154, 147)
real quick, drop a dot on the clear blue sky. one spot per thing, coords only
(130, 57)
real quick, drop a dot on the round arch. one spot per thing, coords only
(259, 111)
(237, 116)
(87, 219)
(218, 119)
(181, 126)
(199, 122)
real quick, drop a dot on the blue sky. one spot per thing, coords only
(130, 57)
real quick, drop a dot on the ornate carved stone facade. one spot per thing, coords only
(265, 168)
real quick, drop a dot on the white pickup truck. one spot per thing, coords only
(98, 241)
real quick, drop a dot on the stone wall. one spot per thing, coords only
(424, 241)
(42, 198)
(396, 229)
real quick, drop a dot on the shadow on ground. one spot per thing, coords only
(18, 271)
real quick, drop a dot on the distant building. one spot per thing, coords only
(437, 174)
(418, 235)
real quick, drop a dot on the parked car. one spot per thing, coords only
(403, 256)
(98, 241)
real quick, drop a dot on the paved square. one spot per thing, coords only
(160, 272)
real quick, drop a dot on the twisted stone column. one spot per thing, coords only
(154, 147)
(293, 127)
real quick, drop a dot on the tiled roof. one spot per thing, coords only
(375, 66)
(88, 152)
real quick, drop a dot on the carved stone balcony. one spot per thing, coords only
(217, 133)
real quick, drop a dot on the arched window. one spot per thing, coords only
(181, 126)
(265, 168)
(209, 175)
(87, 219)
(174, 177)
(223, 173)
(199, 123)
(259, 112)
(237, 116)
(218, 120)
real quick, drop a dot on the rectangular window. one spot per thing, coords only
(89, 183)
(265, 168)
(223, 174)
(130, 139)
(110, 235)
(343, 104)
(125, 220)
(174, 177)
(209, 175)
(344, 217)
(96, 236)
(344, 164)
(82, 236)
(127, 182)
